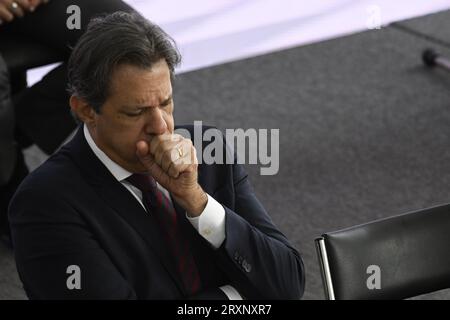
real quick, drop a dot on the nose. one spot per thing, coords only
(156, 124)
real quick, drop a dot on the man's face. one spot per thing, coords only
(139, 107)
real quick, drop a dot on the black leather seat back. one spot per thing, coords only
(412, 252)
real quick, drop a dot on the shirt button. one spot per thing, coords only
(206, 232)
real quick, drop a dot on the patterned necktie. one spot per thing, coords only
(160, 206)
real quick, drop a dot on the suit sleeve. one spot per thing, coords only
(56, 256)
(256, 256)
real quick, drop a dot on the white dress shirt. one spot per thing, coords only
(210, 223)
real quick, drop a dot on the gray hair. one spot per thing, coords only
(111, 40)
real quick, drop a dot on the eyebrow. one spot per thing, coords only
(140, 106)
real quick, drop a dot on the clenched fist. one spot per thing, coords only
(172, 161)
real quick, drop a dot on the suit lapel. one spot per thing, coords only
(117, 197)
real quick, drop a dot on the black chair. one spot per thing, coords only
(394, 258)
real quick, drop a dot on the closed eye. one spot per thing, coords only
(135, 114)
(166, 103)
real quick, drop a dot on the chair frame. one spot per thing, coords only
(325, 268)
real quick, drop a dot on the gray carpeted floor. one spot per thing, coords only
(434, 26)
(364, 133)
(364, 130)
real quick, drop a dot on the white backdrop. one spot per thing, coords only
(210, 32)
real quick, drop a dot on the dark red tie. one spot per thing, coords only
(160, 206)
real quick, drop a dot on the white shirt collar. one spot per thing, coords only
(117, 171)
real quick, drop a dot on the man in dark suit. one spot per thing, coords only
(124, 210)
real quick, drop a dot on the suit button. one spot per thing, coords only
(206, 232)
(247, 266)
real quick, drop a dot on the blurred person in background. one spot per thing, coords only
(42, 113)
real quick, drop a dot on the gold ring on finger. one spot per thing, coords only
(180, 152)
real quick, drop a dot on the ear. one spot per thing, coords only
(82, 110)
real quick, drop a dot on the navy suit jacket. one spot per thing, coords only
(72, 211)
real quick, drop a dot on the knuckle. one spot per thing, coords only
(173, 155)
(186, 160)
(173, 171)
(176, 137)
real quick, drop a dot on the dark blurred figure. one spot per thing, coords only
(42, 111)
(9, 175)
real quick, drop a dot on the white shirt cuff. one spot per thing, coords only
(211, 222)
(231, 292)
